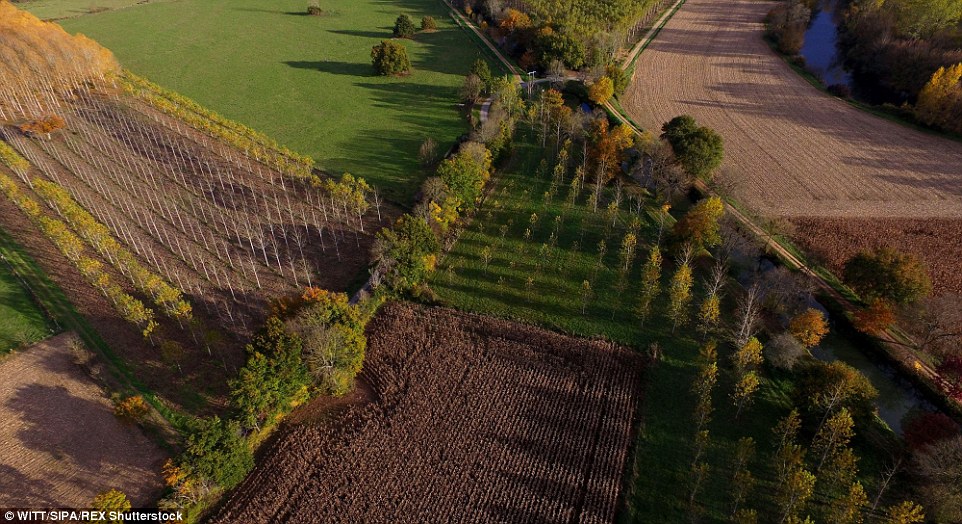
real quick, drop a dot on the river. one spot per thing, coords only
(821, 52)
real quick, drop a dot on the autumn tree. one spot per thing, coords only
(601, 91)
(789, 455)
(607, 148)
(832, 436)
(132, 408)
(939, 469)
(482, 70)
(874, 319)
(586, 294)
(627, 252)
(703, 386)
(43, 126)
(809, 327)
(924, 429)
(650, 283)
(793, 495)
(940, 101)
(742, 481)
(406, 253)
(471, 89)
(428, 23)
(679, 294)
(888, 274)
(850, 508)
(832, 386)
(906, 512)
(390, 59)
(404, 27)
(332, 331)
(700, 225)
(110, 501)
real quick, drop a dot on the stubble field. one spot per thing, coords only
(793, 150)
(60, 443)
(474, 420)
(848, 180)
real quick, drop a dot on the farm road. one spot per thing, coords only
(795, 151)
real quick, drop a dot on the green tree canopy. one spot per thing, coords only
(334, 341)
(466, 172)
(889, 275)
(390, 58)
(217, 451)
(924, 18)
(404, 27)
(553, 45)
(406, 253)
(699, 150)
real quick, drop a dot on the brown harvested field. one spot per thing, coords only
(474, 419)
(60, 443)
(793, 150)
(935, 242)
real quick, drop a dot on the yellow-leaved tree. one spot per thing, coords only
(940, 101)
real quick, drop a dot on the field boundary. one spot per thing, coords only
(511, 68)
(629, 62)
(62, 311)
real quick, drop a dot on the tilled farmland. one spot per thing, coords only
(792, 150)
(935, 242)
(474, 419)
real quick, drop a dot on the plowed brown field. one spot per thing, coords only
(474, 419)
(60, 443)
(793, 150)
(938, 243)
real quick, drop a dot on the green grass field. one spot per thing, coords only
(658, 489)
(21, 321)
(305, 81)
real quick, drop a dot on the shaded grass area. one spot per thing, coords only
(658, 480)
(306, 81)
(22, 322)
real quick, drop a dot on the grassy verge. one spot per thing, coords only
(305, 81)
(22, 320)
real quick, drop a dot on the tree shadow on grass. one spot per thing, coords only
(384, 34)
(272, 11)
(335, 68)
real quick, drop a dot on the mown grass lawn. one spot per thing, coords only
(306, 81)
(21, 321)
(659, 477)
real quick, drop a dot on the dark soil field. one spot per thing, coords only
(934, 241)
(473, 419)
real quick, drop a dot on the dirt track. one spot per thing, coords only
(60, 443)
(795, 151)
